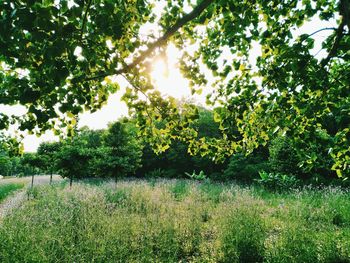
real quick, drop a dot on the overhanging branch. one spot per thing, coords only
(334, 49)
(344, 11)
(159, 42)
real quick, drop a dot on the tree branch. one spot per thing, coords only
(345, 12)
(322, 29)
(338, 36)
(85, 18)
(159, 42)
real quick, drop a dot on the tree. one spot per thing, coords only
(54, 55)
(5, 162)
(176, 160)
(72, 160)
(33, 163)
(113, 153)
(75, 154)
(121, 152)
(47, 151)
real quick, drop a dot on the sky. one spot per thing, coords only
(171, 84)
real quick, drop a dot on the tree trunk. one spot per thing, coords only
(32, 180)
(71, 182)
(51, 178)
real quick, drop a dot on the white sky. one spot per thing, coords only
(172, 84)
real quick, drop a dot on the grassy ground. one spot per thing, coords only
(7, 189)
(177, 221)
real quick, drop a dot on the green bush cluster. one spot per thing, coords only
(245, 168)
(177, 221)
(277, 181)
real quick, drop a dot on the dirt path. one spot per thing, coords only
(17, 199)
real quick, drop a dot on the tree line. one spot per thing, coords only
(119, 151)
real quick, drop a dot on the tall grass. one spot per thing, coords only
(8, 188)
(177, 221)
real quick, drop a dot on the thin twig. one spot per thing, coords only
(320, 30)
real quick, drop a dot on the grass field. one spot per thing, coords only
(177, 221)
(8, 188)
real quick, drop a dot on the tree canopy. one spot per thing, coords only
(58, 58)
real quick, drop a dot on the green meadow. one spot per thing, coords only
(177, 221)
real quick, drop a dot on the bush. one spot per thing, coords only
(179, 189)
(277, 181)
(245, 168)
(200, 176)
(284, 157)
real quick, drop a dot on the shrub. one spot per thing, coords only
(245, 168)
(283, 156)
(277, 181)
(200, 176)
(212, 191)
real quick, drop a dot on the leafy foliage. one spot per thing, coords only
(111, 153)
(178, 160)
(32, 163)
(47, 151)
(55, 60)
(245, 168)
(284, 156)
(200, 176)
(277, 181)
(5, 163)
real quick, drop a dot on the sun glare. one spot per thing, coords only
(166, 76)
(160, 71)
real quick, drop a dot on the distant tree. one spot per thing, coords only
(48, 151)
(33, 163)
(76, 155)
(5, 163)
(16, 167)
(96, 153)
(177, 160)
(72, 160)
(122, 150)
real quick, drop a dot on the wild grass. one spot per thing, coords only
(177, 221)
(8, 188)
